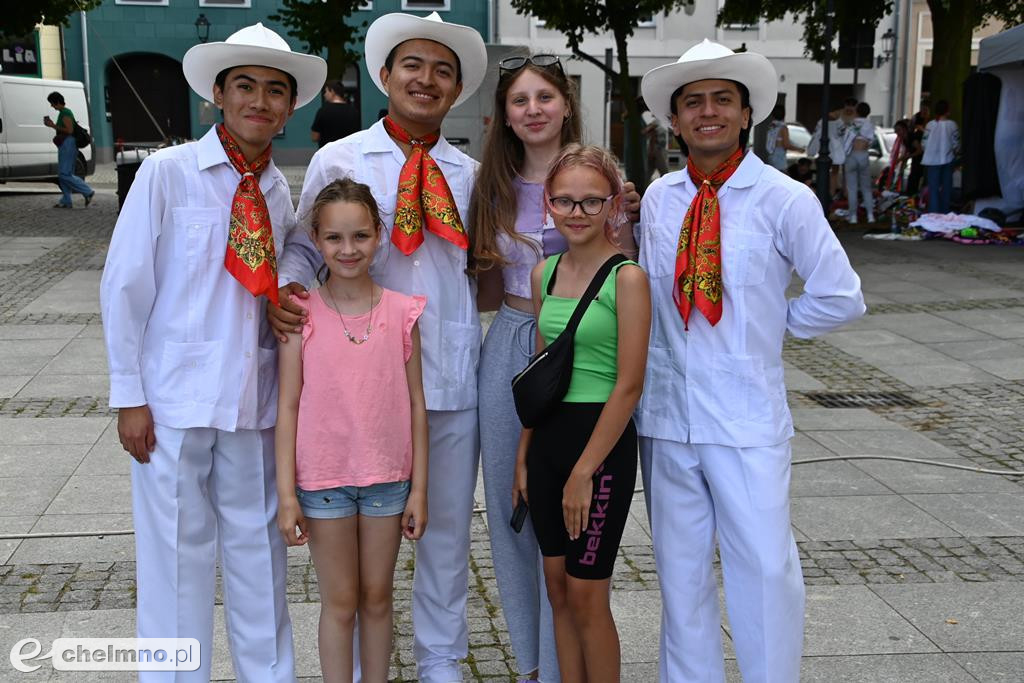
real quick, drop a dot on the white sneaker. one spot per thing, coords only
(871, 218)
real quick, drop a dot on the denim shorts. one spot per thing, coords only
(375, 500)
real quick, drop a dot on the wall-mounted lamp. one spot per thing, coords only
(203, 28)
(888, 48)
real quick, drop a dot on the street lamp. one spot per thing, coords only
(203, 28)
(888, 47)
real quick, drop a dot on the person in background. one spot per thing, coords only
(67, 152)
(802, 171)
(941, 144)
(336, 118)
(777, 143)
(657, 142)
(857, 137)
(915, 150)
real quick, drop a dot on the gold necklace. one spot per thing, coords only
(344, 327)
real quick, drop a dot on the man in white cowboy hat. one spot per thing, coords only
(425, 66)
(720, 240)
(193, 361)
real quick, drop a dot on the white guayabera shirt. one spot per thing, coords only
(183, 336)
(724, 384)
(450, 325)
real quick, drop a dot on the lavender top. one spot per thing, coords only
(533, 222)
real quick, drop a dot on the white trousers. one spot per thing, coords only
(694, 491)
(440, 584)
(204, 492)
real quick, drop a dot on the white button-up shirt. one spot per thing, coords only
(450, 326)
(724, 384)
(183, 335)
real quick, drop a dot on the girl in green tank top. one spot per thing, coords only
(577, 525)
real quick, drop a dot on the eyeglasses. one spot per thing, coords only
(591, 206)
(542, 61)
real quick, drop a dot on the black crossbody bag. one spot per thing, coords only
(543, 382)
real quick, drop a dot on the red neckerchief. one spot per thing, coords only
(423, 196)
(698, 274)
(250, 255)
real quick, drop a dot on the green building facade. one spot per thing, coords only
(133, 49)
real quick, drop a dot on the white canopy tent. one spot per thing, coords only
(1003, 56)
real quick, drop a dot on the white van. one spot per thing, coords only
(27, 151)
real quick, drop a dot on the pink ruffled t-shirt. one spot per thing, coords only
(355, 418)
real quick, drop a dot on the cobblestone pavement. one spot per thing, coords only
(978, 420)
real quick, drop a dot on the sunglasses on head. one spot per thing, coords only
(542, 61)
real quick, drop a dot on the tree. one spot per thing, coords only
(322, 25)
(953, 24)
(20, 18)
(576, 18)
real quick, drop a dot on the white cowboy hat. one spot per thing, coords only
(710, 60)
(254, 45)
(389, 30)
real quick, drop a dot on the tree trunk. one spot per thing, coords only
(952, 30)
(337, 60)
(637, 149)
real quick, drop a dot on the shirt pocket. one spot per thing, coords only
(740, 388)
(658, 249)
(191, 372)
(663, 385)
(204, 234)
(745, 258)
(460, 351)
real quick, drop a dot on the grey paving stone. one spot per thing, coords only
(47, 331)
(1007, 368)
(77, 292)
(93, 494)
(939, 668)
(838, 419)
(938, 375)
(986, 616)
(986, 349)
(852, 339)
(900, 442)
(83, 357)
(31, 348)
(928, 328)
(869, 516)
(798, 380)
(79, 549)
(637, 616)
(52, 430)
(60, 386)
(992, 667)
(33, 460)
(851, 620)
(20, 365)
(895, 355)
(976, 514)
(977, 318)
(28, 495)
(1004, 330)
(12, 384)
(904, 477)
(831, 479)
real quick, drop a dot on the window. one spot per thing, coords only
(225, 3)
(646, 22)
(141, 2)
(366, 6)
(441, 5)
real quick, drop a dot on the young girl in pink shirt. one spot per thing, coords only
(352, 434)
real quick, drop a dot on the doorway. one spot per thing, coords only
(161, 85)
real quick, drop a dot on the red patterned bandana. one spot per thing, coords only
(698, 273)
(250, 256)
(423, 196)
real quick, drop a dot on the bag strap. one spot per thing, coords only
(592, 290)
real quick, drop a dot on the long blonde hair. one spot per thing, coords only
(492, 209)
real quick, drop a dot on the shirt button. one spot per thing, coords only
(416, 263)
(248, 354)
(193, 364)
(248, 316)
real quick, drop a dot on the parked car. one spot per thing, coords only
(799, 136)
(27, 151)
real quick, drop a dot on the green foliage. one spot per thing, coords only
(20, 18)
(323, 25)
(811, 13)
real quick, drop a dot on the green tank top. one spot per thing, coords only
(596, 344)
